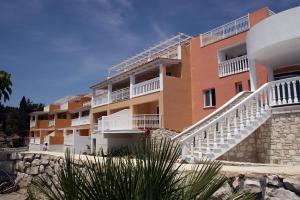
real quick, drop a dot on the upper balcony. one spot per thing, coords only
(233, 60)
(32, 123)
(227, 30)
(135, 85)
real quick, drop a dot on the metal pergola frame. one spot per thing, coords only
(158, 50)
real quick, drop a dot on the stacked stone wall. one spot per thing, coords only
(277, 141)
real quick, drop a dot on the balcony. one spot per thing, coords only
(64, 106)
(51, 122)
(35, 140)
(135, 122)
(120, 95)
(69, 139)
(233, 66)
(100, 100)
(81, 121)
(227, 30)
(139, 89)
(32, 124)
(146, 87)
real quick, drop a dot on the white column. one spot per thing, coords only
(109, 90)
(179, 51)
(252, 74)
(79, 115)
(132, 82)
(270, 74)
(65, 132)
(161, 75)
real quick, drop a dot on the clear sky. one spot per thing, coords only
(55, 48)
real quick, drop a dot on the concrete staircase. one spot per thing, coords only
(221, 131)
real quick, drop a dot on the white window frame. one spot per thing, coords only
(210, 98)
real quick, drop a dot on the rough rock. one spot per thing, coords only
(274, 180)
(56, 167)
(27, 164)
(37, 156)
(35, 162)
(28, 157)
(51, 163)
(224, 192)
(252, 186)
(279, 194)
(44, 161)
(49, 171)
(292, 185)
(41, 168)
(33, 170)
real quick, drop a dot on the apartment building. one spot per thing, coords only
(143, 92)
(60, 124)
(259, 52)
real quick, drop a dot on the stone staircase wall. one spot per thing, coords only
(277, 141)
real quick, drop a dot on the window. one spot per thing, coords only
(209, 97)
(85, 113)
(238, 87)
(62, 116)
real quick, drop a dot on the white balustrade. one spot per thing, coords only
(233, 66)
(81, 121)
(88, 103)
(32, 140)
(100, 100)
(51, 122)
(32, 124)
(146, 87)
(120, 95)
(64, 106)
(36, 140)
(69, 139)
(150, 121)
(241, 117)
(225, 31)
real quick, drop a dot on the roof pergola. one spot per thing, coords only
(159, 50)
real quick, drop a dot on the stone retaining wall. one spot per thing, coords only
(277, 141)
(29, 166)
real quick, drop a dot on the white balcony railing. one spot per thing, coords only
(81, 121)
(88, 103)
(225, 31)
(146, 87)
(100, 100)
(119, 122)
(98, 126)
(69, 139)
(120, 95)
(233, 66)
(51, 122)
(64, 106)
(32, 124)
(32, 140)
(37, 140)
(151, 121)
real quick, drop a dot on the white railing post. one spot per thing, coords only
(109, 91)
(295, 92)
(289, 92)
(283, 93)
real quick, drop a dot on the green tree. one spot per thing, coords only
(153, 174)
(5, 86)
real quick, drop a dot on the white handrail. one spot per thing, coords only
(81, 121)
(231, 28)
(233, 66)
(120, 95)
(209, 116)
(270, 94)
(146, 87)
(100, 100)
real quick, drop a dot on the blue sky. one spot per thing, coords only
(55, 48)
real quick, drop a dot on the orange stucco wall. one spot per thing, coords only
(204, 71)
(177, 95)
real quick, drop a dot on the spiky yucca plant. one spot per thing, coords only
(153, 174)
